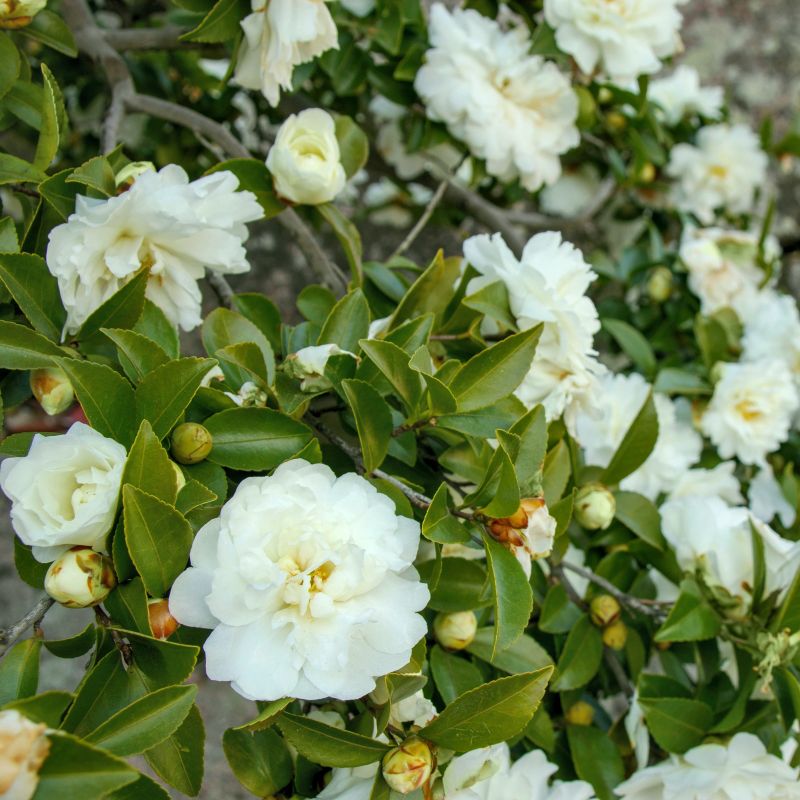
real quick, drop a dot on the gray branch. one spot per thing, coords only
(32, 619)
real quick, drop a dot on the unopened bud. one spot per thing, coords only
(587, 107)
(455, 631)
(191, 443)
(580, 713)
(162, 623)
(595, 507)
(659, 284)
(615, 635)
(126, 177)
(80, 578)
(19, 13)
(604, 610)
(531, 527)
(647, 173)
(616, 122)
(51, 387)
(180, 478)
(408, 767)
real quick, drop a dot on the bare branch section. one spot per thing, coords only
(165, 38)
(422, 221)
(31, 620)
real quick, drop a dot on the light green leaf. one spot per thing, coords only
(348, 236)
(121, 310)
(691, 619)
(393, 362)
(633, 344)
(460, 586)
(430, 293)
(19, 671)
(9, 64)
(47, 707)
(52, 113)
(154, 325)
(581, 656)
(34, 290)
(148, 466)
(138, 355)
(524, 655)
(636, 445)
(248, 357)
(439, 524)
(179, 758)
(492, 300)
(49, 28)
(353, 145)
(16, 170)
(373, 421)
(22, 347)
(641, 516)
(347, 323)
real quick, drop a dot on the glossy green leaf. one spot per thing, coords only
(640, 515)
(676, 723)
(138, 354)
(524, 655)
(73, 646)
(149, 467)
(581, 656)
(121, 310)
(393, 362)
(19, 671)
(596, 758)
(353, 145)
(47, 707)
(221, 24)
(690, 619)
(49, 28)
(347, 323)
(154, 325)
(439, 524)
(636, 445)
(127, 606)
(9, 64)
(348, 235)
(34, 290)
(460, 586)
(373, 421)
(22, 347)
(260, 760)
(179, 758)
(452, 674)
(633, 344)
(52, 114)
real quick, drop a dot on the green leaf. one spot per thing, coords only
(9, 242)
(263, 313)
(22, 347)
(9, 64)
(640, 515)
(460, 586)
(581, 656)
(19, 671)
(329, 746)
(145, 722)
(452, 674)
(95, 174)
(248, 357)
(431, 292)
(253, 177)
(73, 646)
(676, 723)
(496, 372)
(163, 394)
(633, 344)
(347, 323)
(524, 655)
(221, 24)
(255, 439)
(373, 421)
(558, 614)
(439, 524)
(691, 619)
(393, 362)
(353, 145)
(788, 615)
(636, 445)
(529, 461)
(138, 355)
(260, 760)
(15, 170)
(680, 381)
(179, 758)
(49, 133)
(74, 770)
(498, 494)
(492, 301)
(555, 476)
(121, 310)
(143, 788)
(49, 28)
(127, 606)
(158, 538)
(596, 758)
(223, 327)
(268, 715)
(348, 236)
(47, 707)
(34, 290)
(494, 712)
(106, 397)
(148, 466)
(154, 325)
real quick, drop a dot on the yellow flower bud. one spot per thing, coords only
(595, 507)
(580, 713)
(408, 767)
(616, 122)
(647, 173)
(19, 13)
(162, 623)
(659, 284)
(80, 578)
(615, 635)
(604, 610)
(51, 387)
(455, 631)
(191, 443)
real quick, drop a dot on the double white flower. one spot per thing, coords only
(23, 749)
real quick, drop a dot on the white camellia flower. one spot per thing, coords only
(548, 284)
(65, 491)
(165, 223)
(19, 11)
(680, 94)
(305, 160)
(707, 534)
(573, 193)
(416, 709)
(772, 330)
(751, 410)
(359, 8)
(742, 769)
(722, 170)
(767, 500)
(723, 268)
(308, 365)
(616, 404)
(621, 38)
(719, 481)
(279, 35)
(23, 749)
(308, 583)
(512, 109)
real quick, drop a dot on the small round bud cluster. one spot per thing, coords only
(80, 578)
(191, 443)
(51, 387)
(604, 610)
(615, 635)
(162, 623)
(455, 631)
(595, 507)
(408, 767)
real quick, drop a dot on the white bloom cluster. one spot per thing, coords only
(722, 170)
(681, 94)
(515, 110)
(308, 583)
(548, 284)
(621, 38)
(171, 226)
(742, 768)
(64, 492)
(279, 35)
(601, 430)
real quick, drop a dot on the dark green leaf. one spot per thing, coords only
(641, 516)
(34, 289)
(19, 671)
(121, 310)
(676, 723)
(179, 758)
(373, 421)
(581, 656)
(636, 446)
(439, 524)
(22, 347)
(347, 323)
(259, 759)
(148, 466)
(138, 355)
(596, 758)
(525, 655)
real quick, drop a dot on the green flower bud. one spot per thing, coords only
(615, 635)
(595, 507)
(580, 713)
(659, 284)
(191, 443)
(80, 578)
(587, 107)
(455, 631)
(408, 767)
(604, 610)
(51, 387)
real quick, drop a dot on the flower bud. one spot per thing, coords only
(162, 623)
(125, 178)
(580, 713)
(616, 122)
(191, 443)
(51, 387)
(587, 107)
(615, 635)
(659, 284)
(80, 578)
(19, 13)
(595, 507)
(604, 610)
(180, 478)
(408, 767)
(455, 631)
(23, 748)
(647, 173)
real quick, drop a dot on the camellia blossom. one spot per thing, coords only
(772, 330)
(751, 410)
(65, 491)
(616, 403)
(623, 38)
(173, 227)
(308, 584)
(515, 110)
(573, 193)
(767, 500)
(24, 746)
(709, 535)
(742, 768)
(18, 13)
(680, 94)
(279, 35)
(548, 284)
(722, 170)
(720, 481)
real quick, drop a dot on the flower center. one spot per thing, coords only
(748, 410)
(302, 584)
(718, 171)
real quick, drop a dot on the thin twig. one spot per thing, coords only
(32, 619)
(422, 221)
(166, 38)
(221, 288)
(124, 648)
(619, 673)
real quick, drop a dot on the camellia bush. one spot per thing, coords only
(503, 506)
